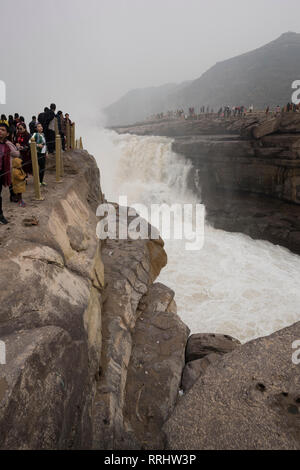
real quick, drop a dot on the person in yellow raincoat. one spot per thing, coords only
(18, 180)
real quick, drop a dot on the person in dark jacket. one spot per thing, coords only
(32, 125)
(12, 127)
(14, 153)
(23, 145)
(61, 128)
(50, 131)
(16, 119)
(42, 118)
(5, 166)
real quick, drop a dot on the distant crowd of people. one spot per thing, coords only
(235, 111)
(223, 112)
(288, 108)
(15, 155)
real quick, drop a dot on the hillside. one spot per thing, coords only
(261, 77)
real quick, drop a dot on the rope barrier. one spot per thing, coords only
(24, 164)
(32, 148)
(51, 142)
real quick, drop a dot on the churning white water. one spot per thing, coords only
(233, 285)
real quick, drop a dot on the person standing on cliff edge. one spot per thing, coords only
(5, 165)
(41, 151)
(50, 130)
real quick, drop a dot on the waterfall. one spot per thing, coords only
(233, 285)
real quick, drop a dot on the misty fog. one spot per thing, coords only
(85, 55)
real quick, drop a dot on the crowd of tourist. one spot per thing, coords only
(288, 108)
(223, 112)
(15, 155)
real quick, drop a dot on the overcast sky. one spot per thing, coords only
(83, 55)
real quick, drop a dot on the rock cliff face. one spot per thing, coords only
(69, 308)
(246, 171)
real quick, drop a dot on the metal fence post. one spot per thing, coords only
(62, 169)
(35, 168)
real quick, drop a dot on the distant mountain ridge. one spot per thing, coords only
(261, 77)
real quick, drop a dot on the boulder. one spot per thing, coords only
(200, 345)
(248, 400)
